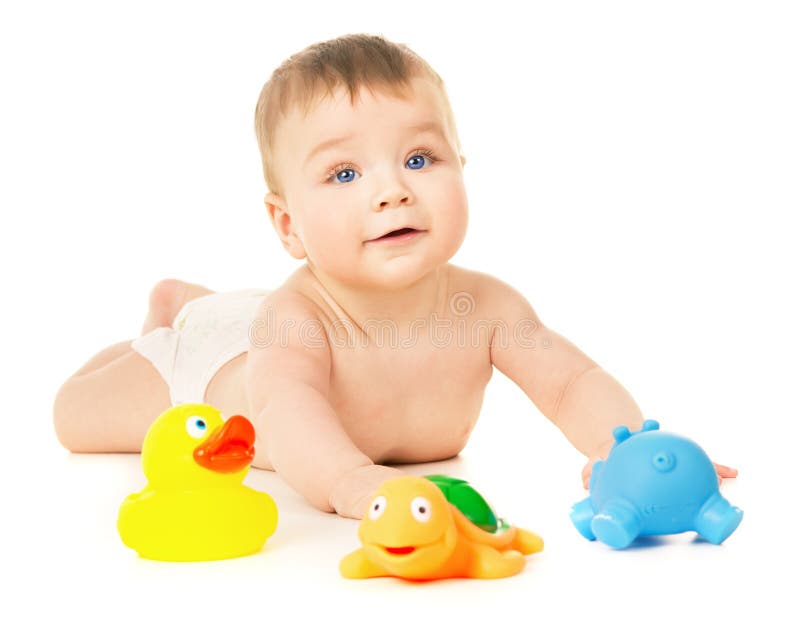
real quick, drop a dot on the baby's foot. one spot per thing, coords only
(166, 299)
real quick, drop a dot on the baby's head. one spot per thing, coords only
(357, 139)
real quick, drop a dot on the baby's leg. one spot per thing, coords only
(166, 300)
(108, 405)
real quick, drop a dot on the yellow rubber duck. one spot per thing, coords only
(194, 507)
(411, 531)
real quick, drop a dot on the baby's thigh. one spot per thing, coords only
(110, 408)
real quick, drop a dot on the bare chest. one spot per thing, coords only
(409, 399)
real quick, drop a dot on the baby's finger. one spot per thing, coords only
(723, 471)
(585, 474)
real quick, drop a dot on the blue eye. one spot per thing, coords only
(196, 427)
(345, 176)
(346, 173)
(416, 162)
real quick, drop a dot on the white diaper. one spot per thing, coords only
(207, 333)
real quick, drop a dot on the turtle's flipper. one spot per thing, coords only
(527, 542)
(357, 565)
(487, 562)
(501, 540)
(510, 538)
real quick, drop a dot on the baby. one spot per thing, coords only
(376, 350)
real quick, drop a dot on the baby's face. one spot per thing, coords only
(353, 173)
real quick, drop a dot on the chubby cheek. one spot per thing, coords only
(328, 238)
(451, 213)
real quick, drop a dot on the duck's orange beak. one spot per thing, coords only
(230, 448)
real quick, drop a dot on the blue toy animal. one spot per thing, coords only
(652, 483)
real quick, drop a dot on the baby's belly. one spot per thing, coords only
(396, 443)
(432, 442)
(411, 432)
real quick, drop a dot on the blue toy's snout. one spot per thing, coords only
(664, 461)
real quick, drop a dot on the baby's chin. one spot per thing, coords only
(393, 279)
(381, 273)
(400, 274)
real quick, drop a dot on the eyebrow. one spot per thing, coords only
(424, 127)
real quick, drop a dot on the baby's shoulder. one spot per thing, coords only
(290, 300)
(486, 290)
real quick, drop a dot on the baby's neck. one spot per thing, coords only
(419, 300)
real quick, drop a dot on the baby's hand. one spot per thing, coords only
(586, 472)
(723, 471)
(354, 491)
(600, 455)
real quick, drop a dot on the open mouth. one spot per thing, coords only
(399, 235)
(399, 231)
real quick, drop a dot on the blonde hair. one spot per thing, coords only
(352, 61)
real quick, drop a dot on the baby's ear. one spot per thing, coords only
(282, 222)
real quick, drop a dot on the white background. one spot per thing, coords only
(632, 169)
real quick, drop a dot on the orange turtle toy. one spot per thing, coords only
(411, 531)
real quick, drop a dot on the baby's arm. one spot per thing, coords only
(287, 386)
(571, 390)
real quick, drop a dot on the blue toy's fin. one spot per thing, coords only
(617, 524)
(581, 515)
(593, 477)
(621, 433)
(649, 425)
(717, 519)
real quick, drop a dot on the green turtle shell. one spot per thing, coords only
(469, 502)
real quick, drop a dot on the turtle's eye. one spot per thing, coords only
(196, 427)
(421, 509)
(377, 507)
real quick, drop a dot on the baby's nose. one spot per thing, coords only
(391, 202)
(392, 196)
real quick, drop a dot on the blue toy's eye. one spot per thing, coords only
(196, 427)
(663, 461)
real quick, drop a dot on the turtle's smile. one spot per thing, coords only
(399, 551)
(405, 552)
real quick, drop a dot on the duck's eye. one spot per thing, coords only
(196, 427)
(421, 509)
(377, 507)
